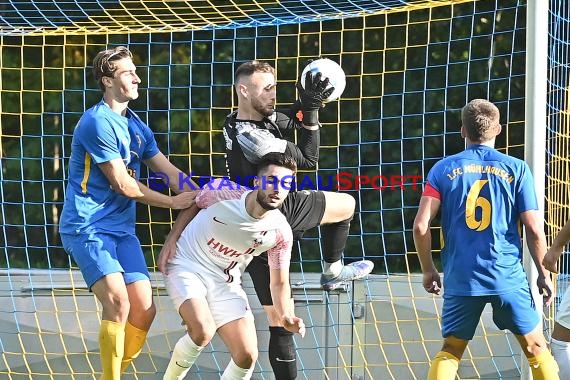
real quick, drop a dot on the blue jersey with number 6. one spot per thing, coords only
(482, 193)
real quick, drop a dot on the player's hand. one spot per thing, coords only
(550, 260)
(545, 288)
(314, 92)
(166, 255)
(183, 200)
(432, 282)
(294, 325)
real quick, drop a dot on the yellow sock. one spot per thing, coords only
(134, 341)
(111, 348)
(543, 366)
(443, 367)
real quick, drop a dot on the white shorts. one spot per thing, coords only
(563, 315)
(227, 301)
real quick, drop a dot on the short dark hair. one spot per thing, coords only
(478, 118)
(104, 63)
(247, 69)
(277, 159)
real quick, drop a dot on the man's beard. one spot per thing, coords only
(264, 204)
(263, 111)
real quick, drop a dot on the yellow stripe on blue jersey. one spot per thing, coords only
(86, 172)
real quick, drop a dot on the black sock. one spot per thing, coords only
(282, 353)
(334, 237)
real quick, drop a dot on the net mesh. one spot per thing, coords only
(558, 133)
(410, 65)
(136, 16)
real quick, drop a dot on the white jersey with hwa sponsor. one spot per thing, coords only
(223, 238)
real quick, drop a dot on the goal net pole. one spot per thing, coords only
(535, 119)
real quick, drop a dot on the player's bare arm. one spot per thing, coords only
(536, 242)
(160, 163)
(168, 249)
(121, 182)
(427, 210)
(550, 260)
(281, 295)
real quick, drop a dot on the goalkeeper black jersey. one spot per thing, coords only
(248, 140)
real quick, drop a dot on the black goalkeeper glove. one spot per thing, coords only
(313, 96)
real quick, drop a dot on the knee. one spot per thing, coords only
(454, 346)
(349, 201)
(151, 312)
(338, 207)
(202, 334)
(142, 317)
(347, 205)
(246, 358)
(144, 311)
(117, 306)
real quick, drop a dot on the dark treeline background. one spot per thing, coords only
(408, 75)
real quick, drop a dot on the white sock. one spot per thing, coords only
(561, 352)
(233, 372)
(332, 269)
(183, 357)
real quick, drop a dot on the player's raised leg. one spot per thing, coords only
(335, 226)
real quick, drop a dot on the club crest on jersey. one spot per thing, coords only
(257, 242)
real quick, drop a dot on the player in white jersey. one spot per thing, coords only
(204, 276)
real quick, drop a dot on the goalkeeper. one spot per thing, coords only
(257, 128)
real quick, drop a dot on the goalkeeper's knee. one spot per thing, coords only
(282, 353)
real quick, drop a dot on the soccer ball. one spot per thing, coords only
(328, 69)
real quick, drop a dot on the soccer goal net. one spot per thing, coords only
(410, 66)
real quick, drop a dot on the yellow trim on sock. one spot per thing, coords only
(543, 366)
(111, 348)
(443, 367)
(134, 342)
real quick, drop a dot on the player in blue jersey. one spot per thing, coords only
(97, 224)
(483, 194)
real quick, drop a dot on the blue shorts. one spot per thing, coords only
(99, 254)
(514, 311)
